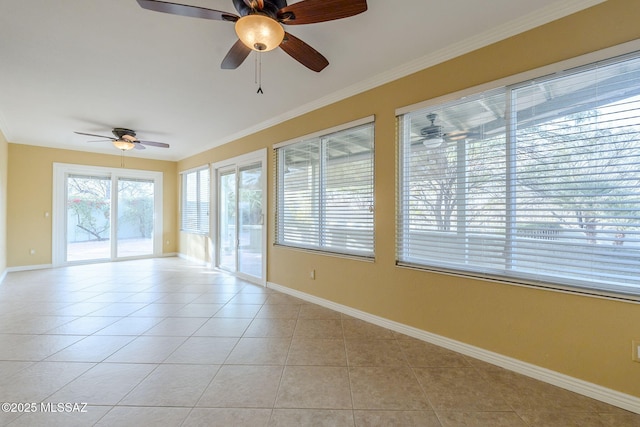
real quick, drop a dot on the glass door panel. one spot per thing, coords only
(88, 234)
(250, 220)
(227, 221)
(135, 217)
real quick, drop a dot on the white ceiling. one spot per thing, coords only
(91, 65)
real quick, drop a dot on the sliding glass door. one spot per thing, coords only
(135, 217)
(241, 200)
(106, 214)
(88, 234)
(227, 247)
(250, 220)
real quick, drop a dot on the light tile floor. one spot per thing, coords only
(163, 342)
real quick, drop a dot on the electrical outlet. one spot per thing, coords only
(635, 348)
(312, 275)
(32, 251)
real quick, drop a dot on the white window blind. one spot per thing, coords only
(325, 192)
(195, 201)
(538, 182)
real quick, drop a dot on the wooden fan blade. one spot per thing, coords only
(99, 136)
(186, 10)
(236, 56)
(303, 53)
(312, 11)
(152, 143)
(138, 146)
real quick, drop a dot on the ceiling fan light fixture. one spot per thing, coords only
(259, 32)
(433, 142)
(123, 144)
(457, 135)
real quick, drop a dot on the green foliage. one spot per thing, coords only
(92, 215)
(138, 211)
(90, 201)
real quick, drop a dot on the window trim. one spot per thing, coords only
(325, 132)
(611, 54)
(320, 250)
(531, 284)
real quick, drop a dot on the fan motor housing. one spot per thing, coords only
(433, 130)
(271, 7)
(120, 132)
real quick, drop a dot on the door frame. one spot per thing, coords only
(259, 156)
(59, 209)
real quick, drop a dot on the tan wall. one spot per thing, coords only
(30, 196)
(584, 337)
(4, 167)
(195, 247)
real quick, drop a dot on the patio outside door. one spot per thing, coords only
(135, 217)
(240, 225)
(103, 214)
(88, 235)
(250, 220)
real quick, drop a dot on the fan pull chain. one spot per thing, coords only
(122, 158)
(259, 72)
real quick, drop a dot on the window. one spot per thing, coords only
(538, 182)
(325, 191)
(195, 201)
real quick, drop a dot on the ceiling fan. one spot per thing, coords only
(259, 25)
(125, 139)
(433, 136)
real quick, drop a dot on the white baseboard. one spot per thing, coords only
(594, 391)
(45, 266)
(29, 267)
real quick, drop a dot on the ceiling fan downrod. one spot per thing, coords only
(259, 72)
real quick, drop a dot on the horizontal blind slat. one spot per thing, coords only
(325, 190)
(562, 204)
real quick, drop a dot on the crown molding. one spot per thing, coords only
(524, 23)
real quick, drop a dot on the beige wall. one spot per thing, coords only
(4, 166)
(30, 187)
(581, 336)
(195, 247)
